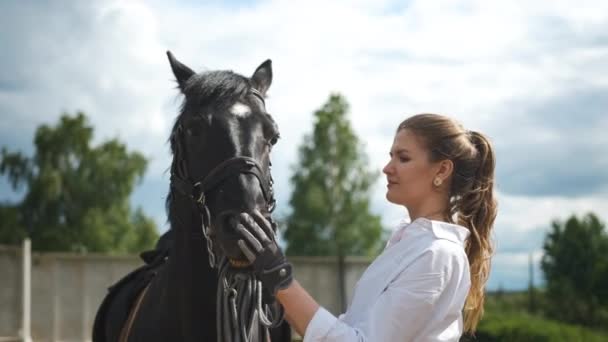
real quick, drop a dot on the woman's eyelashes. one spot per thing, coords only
(401, 158)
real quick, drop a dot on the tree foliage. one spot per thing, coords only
(575, 264)
(77, 195)
(522, 327)
(331, 183)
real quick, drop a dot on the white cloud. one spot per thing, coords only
(520, 213)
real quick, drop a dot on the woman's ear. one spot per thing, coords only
(444, 171)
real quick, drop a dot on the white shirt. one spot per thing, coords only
(414, 291)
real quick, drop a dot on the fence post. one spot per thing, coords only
(26, 333)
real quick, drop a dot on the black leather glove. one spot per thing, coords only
(260, 248)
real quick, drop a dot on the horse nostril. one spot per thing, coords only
(230, 223)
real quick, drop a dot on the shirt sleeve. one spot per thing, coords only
(406, 305)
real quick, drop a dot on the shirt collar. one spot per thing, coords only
(441, 230)
(444, 230)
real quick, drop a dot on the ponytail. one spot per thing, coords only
(476, 210)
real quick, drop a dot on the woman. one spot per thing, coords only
(428, 284)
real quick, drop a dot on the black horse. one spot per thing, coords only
(195, 286)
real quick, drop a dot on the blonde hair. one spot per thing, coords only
(472, 203)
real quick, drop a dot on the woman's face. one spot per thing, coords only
(409, 173)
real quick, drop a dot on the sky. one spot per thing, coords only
(533, 76)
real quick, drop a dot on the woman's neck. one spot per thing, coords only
(437, 213)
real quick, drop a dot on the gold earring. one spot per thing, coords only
(437, 181)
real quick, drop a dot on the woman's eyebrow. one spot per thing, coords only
(398, 151)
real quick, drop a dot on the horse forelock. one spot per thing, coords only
(219, 88)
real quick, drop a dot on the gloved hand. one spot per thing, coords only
(260, 248)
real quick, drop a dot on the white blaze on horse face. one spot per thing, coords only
(240, 109)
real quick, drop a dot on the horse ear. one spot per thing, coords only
(182, 73)
(262, 77)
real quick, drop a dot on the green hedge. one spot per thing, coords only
(526, 328)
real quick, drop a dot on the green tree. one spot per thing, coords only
(77, 196)
(330, 199)
(576, 270)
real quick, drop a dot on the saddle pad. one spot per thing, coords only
(126, 290)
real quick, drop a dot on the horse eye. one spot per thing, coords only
(273, 140)
(196, 125)
(194, 130)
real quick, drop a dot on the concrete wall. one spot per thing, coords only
(10, 291)
(66, 292)
(68, 288)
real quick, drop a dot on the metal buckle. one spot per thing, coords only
(200, 197)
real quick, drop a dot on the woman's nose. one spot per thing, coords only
(387, 168)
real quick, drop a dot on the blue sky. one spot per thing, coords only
(531, 75)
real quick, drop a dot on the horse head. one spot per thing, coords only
(221, 143)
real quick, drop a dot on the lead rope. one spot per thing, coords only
(205, 226)
(239, 290)
(242, 317)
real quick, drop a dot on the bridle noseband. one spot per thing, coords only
(226, 169)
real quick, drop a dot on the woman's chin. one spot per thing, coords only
(390, 197)
(394, 197)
